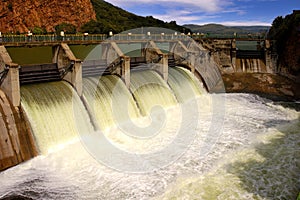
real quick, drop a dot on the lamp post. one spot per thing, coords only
(62, 35)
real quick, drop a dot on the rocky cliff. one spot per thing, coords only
(290, 58)
(23, 15)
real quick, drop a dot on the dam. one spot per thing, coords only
(66, 70)
(135, 120)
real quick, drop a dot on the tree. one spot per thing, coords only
(277, 22)
(284, 32)
(65, 27)
(92, 27)
(39, 31)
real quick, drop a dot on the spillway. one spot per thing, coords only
(56, 114)
(150, 90)
(109, 100)
(184, 85)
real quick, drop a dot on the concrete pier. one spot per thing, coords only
(70, 65)
(182, 52)
(10, 83)
(121, 63)
(16, 141)
(152, 53)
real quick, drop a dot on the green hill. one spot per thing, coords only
(218, 29)
(115, 19)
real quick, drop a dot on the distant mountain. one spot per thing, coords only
(221, 29)
(254, 29)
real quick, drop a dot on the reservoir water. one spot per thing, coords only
(205, 146)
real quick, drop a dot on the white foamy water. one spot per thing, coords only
(256, 155)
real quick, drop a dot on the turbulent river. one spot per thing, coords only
(256, 156)
(241, 147)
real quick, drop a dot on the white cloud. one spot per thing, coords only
(180, 19)
(203, 5)
(182, 11)
(193, 11)
(245, 23)
(182, 16)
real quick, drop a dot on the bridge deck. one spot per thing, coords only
(52, 40)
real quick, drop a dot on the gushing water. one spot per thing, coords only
(109, 100)
(150, 90)
(254, 156)
(50, 108)
(184, 85)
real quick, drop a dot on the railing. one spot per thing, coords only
(121, 37)
(51, 38)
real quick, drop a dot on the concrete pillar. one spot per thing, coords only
(181, 51)
(75, 77)
(64, 58)
(11, 84)
(267, 44)
(163, 68)
(233, 55)
(270, 58)
(113, 54)
(152, 52)
(191, 62)
(143, 48)
(126, 70)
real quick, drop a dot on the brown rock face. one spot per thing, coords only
(23, 15)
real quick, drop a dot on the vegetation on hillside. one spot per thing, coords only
(66, 27)
(221, 30)
(282, 28)
(286, 32)
(112, 18)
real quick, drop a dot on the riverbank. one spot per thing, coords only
(271, 86)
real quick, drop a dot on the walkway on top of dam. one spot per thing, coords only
(48, 40)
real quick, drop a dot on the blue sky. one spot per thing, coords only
(227, 12)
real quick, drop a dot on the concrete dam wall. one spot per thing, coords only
(16, 141)
(24, 110)
(66, 66)
(242, 56)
